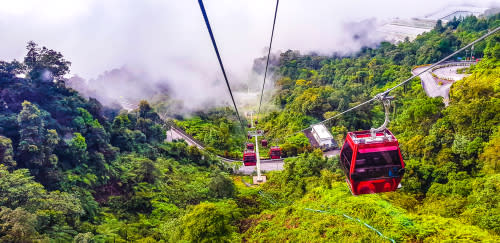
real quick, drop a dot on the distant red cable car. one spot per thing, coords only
(249, 158)
(250, 146)
(275, 152)
(372, 164)
(264, 143)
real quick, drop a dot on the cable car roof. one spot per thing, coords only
(365, 139)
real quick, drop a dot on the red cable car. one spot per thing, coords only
(250, 146)
(264, 143)
(372, 164)
(275, 152)
(249, 158)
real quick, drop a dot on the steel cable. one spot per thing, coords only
(268, 55)
(202, 7)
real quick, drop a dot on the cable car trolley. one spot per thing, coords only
(275, 152)
(371, 159)
(249, 146)
(249, 158)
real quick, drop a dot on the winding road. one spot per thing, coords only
(431, 87)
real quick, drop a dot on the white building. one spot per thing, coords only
(398, 29)
(323, 137)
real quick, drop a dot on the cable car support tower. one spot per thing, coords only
(259, 179)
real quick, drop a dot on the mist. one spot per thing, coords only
(137, 49)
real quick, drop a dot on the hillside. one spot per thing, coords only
(74, 170)
(449, 191)
(451, 185)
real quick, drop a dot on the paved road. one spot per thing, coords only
(450, 73)
(331, 153)
(431, 86)
(264, 166)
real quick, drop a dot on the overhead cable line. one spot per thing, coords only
(268, 55)
(386, 92)
(202, 7)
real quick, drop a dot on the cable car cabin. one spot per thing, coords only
(250, 146)
(275, 152)
(372, 165)
(264, 143)
(249, 158)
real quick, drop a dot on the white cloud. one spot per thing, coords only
(168, 39)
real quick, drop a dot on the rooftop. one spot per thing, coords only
(364, 137)
(322, 131)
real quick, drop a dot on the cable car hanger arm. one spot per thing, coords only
(386, 101)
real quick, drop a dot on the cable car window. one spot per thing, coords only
(375, 159)
(376, 164)
(346, 157)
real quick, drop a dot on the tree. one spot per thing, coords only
(36, 143)
(6, 154)
(209, 222)
(222, 186)
(439, 26)
(10, 69)
(17, 225)
(144, 108)
(84, 238)
(491, 155)
(45, 64)
(18, 189)
(78, 148)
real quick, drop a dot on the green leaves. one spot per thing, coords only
(216, 131)
(222, 186)
(39, 60)
(6, 152)
(209, 222)
(18, 188)
(17, 225)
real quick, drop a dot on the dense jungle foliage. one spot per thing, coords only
(217, 130)
(450, 190)
(73, 170)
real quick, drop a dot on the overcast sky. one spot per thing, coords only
(168, 39)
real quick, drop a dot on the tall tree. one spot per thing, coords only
(45, 64)
(36, 144)
(6, 152)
